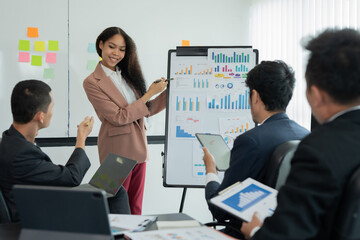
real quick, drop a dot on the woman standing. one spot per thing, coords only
(117, 91)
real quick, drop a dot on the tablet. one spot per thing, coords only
(217, 147)
(242, 199)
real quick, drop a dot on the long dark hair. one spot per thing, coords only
(129, 65)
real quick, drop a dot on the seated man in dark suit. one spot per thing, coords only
(21, 161)
(271, 85)
(324, 160)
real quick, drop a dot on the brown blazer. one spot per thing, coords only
(122, 130)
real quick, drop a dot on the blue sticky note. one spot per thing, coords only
(91, 48)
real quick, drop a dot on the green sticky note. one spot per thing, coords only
(24, 45)
(91, 64)
(53, 45)
(36, 60)
(49, 73)
(40, 46)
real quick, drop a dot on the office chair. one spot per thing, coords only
(347, 223)
(277, 169)
(4, 212)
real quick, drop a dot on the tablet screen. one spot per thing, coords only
(217, 147)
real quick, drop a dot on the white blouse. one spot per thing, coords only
(120, 83)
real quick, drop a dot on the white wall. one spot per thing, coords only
(203, 22)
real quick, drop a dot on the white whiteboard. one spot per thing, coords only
(208, 95)
(50, 18)
(155, 26)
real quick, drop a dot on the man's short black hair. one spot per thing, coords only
(334, 64)
(29, 97)
(274, 81)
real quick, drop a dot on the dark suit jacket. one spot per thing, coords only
(21, 162)
(320, 168)
(250, 153)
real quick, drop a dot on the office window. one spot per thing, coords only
(278, 28)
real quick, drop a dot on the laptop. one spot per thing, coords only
(217, 147)
(111, 174)
(62, 213)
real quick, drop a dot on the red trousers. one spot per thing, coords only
(134, 185)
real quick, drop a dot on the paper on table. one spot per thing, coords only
(177, 224)
(121, 223)
(199, 233)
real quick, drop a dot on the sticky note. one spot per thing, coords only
(40, 46)
(24, 57)
(91, 48)
(32, 32)
(51, 57)
(91, 64)
(24, 45)
(36, 60)
(49, 73)
(53, 45)
(185, 43)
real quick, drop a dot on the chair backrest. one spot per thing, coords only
(347, 225)
(277, 169)
(4, 212)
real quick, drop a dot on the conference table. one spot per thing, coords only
(11, 231)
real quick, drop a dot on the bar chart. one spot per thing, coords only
(230, 101)
(187, 126)
(186, 104)
(232, 127)
(191, 69)
(230, 57)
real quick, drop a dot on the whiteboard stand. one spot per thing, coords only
(182, 200)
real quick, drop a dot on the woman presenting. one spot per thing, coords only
(117, 91)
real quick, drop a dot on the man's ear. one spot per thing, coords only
(255, 95)
(39, 116)
(319, 96)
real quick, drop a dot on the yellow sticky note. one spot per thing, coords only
(185, 43)
(40, 46)
(32, 32)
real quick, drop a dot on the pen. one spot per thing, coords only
(165, 80)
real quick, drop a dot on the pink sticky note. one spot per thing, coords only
(24, 57)
(51, 57)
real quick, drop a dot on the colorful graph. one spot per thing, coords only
(201, 83)
(229, 102)
(233, 57)
(231, 128)
(187, 104)
(187, 126)
(200, 69)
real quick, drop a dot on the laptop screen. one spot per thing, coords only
(62, 209)
(112, 173)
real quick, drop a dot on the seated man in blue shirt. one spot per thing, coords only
(271, 85)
